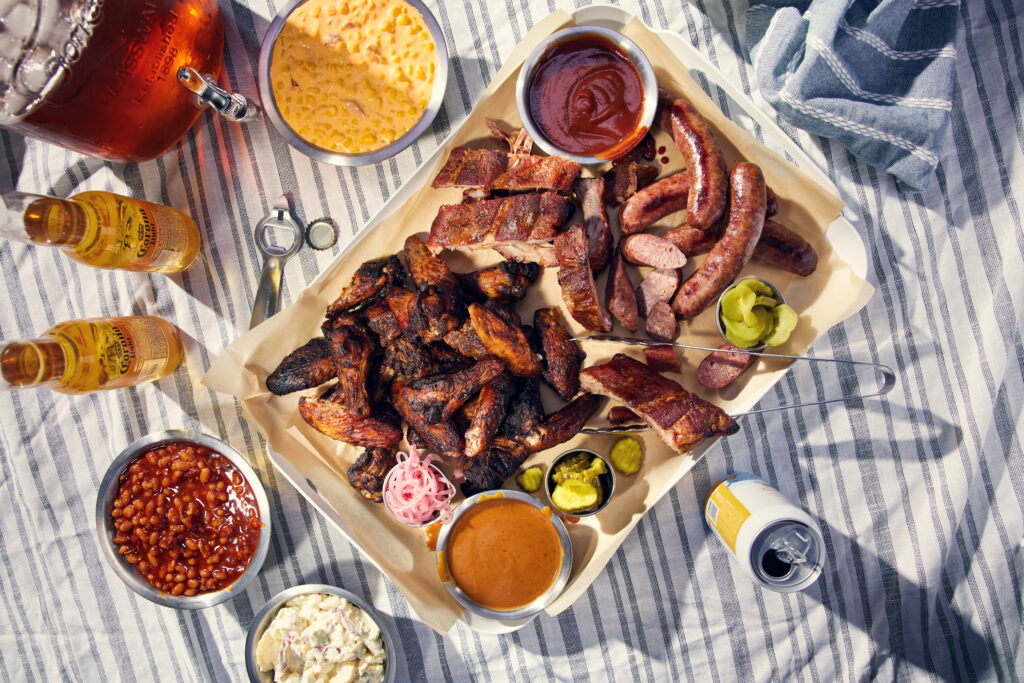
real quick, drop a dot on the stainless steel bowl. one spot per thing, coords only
(607, 481)
(105, 523)
(635, 54)
(541, 602)
(718, 309)
(336, 158)
(267, 613)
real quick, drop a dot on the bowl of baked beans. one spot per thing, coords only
(183, 519)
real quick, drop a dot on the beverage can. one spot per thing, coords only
(775, 542)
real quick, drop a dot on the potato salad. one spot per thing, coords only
(321, 637)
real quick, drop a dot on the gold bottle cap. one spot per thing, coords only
(321, 233)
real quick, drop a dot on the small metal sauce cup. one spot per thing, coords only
(337, 158)
(718, 310)
(105, 522)
(267, 613)
(553, 591)
(607, 481)
(529, 67)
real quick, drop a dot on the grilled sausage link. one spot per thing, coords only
(704, 161)
(654, 202)
(779, 246)
(733, 250)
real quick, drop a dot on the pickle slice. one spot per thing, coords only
(785, 322)
(530, 479)
(574, 496)
(768, 302)
(626, 455)
(737, 301)
(742, 335)
(759, 287)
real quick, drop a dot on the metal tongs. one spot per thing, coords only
(268, 292)
(888, 378)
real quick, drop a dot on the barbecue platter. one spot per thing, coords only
(450, 324)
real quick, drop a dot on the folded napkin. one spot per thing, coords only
(877, 76)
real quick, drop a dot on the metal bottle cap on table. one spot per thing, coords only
(321, 233)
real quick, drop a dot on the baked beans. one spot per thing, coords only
(186, 519)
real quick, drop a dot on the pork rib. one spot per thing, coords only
(529, 172)
(468, 167)
(529, 218)
(682, 420)
(590, 193)
(577, 281)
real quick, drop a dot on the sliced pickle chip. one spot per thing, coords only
(737, 301)
(742, 335)
(530, 479)
(626, 455)
(574, 496)
(785, 322)
(759, 287)
(752, 314)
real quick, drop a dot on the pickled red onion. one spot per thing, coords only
(416, 492)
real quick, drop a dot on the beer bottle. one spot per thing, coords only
(103, 230)
(81, 356)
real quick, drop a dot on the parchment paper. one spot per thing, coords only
(827, 297)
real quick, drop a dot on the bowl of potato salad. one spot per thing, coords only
(353, 82)
(317, 632)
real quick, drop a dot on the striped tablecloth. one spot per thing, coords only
(919, 496)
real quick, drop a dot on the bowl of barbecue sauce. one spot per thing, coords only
(587, 93)
(504, 555)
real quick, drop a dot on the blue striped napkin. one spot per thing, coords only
(877, 76)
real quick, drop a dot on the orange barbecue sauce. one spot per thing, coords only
(587, 97)
(503, 553)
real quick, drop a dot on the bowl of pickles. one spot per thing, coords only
(752, 314)
(580, 482)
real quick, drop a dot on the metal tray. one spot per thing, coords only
(840, 234)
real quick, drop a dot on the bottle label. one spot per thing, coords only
(135, 235)
(112, 353)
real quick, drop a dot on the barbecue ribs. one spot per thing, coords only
(682, 420)
(522, 218)
(561, 356)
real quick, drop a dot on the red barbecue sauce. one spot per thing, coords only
(587, 97)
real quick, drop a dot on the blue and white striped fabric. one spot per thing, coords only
(920, 497)
(877, 76)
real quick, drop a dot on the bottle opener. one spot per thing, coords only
(268, 292)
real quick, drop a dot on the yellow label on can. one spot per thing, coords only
(725, 513)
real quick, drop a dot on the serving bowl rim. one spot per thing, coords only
(269, 610)
(107, 493)
(607, 494)
(546, 598)
(269, 102)
(639, 59)
(718, 309)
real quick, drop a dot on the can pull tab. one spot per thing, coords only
(232, 106)
(789, 553)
